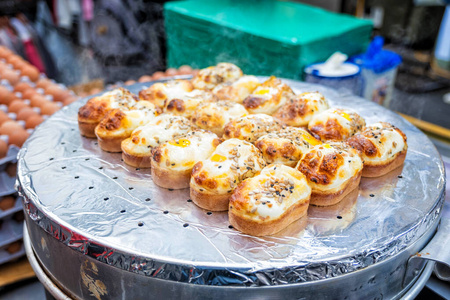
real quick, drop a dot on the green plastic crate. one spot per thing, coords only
(262, 37)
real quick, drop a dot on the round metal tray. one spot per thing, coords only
(95, 204)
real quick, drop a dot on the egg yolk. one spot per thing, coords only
(180, 143)
(327, 146)
(218, 158)
(344, 115)
(262, 92)
(310, 139)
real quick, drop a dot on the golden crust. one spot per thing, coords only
(110, 144)
(268, 97)
(323, 199)
(210, 77)
(209, 201)
(168, 178)
(136, 160)
(160, 92)
(270, 201)
(252, 227)
(285, 146)
(376, 144)
(90, 114)
(251, 127)
(87, 129)
(379, 170)
(299, 109)
(335, 124)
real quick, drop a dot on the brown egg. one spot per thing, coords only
(21, 87)
(11, 75)
(5, 95)
(171, 72)
(14, 247)
(33, 121)
(69, 100)
(18, 137)
(31, 71)
(185, 70)
(16, 105)
(3, 148)
(4, 52)
(49, 108)
(158, 75)
(145, 78)
(17, 62)
(43, 83)
(7, 202)
(58, 93)
(27, 94)
(25, 113)
(3, 117)
(38, 100)
(129, 82)
(9, 127)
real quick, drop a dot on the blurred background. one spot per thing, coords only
(54, 52)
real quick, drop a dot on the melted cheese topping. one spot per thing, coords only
(160, 92)
(214, 115)
(268, 97)
(332, 123)
(161, 129)
(388, 141)
(120, 98)
(251, 127)
(236, 91)
(286, 146)
(96, 108)
(208, 78)
(300, 109)
(187, 104)
(183, 153)
(328, 167)
(233, 161)
(140, 114)
(271, 193)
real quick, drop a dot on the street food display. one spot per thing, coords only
(257, 150)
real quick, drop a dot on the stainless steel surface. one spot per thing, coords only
(40, 274)
(437, 250)
(87, 278)
(420, 283)
(66, 178)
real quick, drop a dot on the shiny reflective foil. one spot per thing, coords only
(95, 204)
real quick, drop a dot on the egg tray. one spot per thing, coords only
(11, 231)
(95, 204)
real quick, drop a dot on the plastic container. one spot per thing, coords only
(378, 72)
(336, 73)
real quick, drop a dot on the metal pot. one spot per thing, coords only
(101, 229)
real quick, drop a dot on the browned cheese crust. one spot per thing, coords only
(330, 131)
(204, 198)
(368, 149)
(261, 227)
(112, 121)
(90, 114)
(319, 199)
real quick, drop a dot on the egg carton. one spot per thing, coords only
(16, 208)
(11, 231)
(11, 157)
(6, 184)
(8, 256)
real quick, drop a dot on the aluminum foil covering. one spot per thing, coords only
(95, 204)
